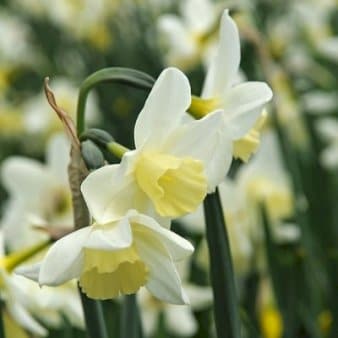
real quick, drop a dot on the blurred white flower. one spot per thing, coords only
(15, 300)
(190, 37)
(329, 48)
(15, 44)
(265, 180)
(174, 165)
(39, 116)
(39, 195)
(328, 130)
(178, 319)
(239, 226)
(117, 258)
(320, 102)
(51, 305)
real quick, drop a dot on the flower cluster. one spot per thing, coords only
(177, 161)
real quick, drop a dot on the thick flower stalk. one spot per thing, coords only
(242, 103)
(117, 258)
(175, 163)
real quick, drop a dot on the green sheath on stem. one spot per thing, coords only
(221, 271)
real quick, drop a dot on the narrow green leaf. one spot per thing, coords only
(226, 307)
(130, 318)
(94, 318)
(2, 326)
(127, 76)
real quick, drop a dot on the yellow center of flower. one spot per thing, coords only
(108, 274)
(176, 186)
(201, 107)
(58, 204)
(276, 197)
(248, 144)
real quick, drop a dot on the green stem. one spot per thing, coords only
(130, 318)
(116, 149)
(127, 76)
(2, 325)
(94, 318)
(226, 308)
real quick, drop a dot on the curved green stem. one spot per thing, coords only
(226, 307)
(127, 76)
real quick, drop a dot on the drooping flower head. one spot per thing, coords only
(174, 165)
(117, 258)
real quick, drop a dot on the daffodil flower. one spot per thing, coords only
(190, 36)
(38, 194)
(174, 165)
(178, 319)
(117, 258)
(14, 298)
(242, 103)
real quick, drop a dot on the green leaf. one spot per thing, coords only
(226, 307)
(94, 319)
(130, 318)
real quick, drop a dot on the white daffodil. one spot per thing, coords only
(265, 180)
(174, 165)
(320, 102)
(117, 258)
(15, 300)
(238, 222)
(39, 195)
(178, 319)
(242, 103)
(328, 130)
(38, 115)
(52, 305)
(189, 38)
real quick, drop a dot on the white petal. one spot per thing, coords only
(224, 66)
(25, 178)
(204, 140)
(21, 315)
(58, 150)
(194, 222)
(200, 296)
(164, 108)
(114, 236)
(64, 259)
(164, 282)
(149, 316)
(178, 247)
(110, 192)
(29, 271)
(243, 104)
(179, 41)
(327, 128)
(180, 320)
(199, 15)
